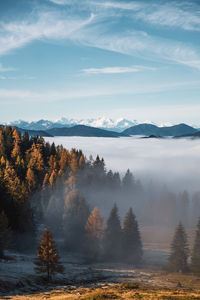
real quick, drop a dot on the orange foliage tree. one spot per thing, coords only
(47, 260)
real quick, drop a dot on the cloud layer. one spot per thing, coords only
(171, 162)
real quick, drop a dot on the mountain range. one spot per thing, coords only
(60, 128)
(149, 129)
(118, 125)
(82, 130)
(102, 123)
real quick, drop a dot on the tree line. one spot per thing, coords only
(119, 244)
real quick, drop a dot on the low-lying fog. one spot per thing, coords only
(174, 162)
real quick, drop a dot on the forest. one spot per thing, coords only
(81, 201)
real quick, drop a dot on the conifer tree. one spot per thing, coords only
(179, 251)
(64, 157)
(2, 144)
(73, 161)
(131, 241)
(113, 234)
(17, 141)
(128, 180)
(195, 258)
(30, 179)
(94, 225)
(47, 260)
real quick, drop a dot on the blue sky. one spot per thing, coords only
(92, 58)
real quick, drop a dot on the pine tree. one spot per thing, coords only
(73, 161)
(113, 235)
(128, 180)
(2, 144)
(17, 141)
(195, 258)
(47, 260)
(179, 251)
(30, 179)
(131, 241)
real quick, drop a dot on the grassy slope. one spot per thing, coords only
(169, 286)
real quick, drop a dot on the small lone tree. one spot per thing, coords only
(131, 240)
(47, 260)
(179, 251)
(195, 259)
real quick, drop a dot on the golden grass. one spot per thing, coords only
(113, 291)
(162, 285)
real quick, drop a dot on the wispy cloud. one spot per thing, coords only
(140, 44)
(61, 2)
(96, 31)
(116, 70)
(121, 5)
(48, 25)
(185, 15)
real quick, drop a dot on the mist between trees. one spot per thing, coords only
(85, 205)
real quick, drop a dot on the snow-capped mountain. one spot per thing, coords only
(117, 125)
(104, 123)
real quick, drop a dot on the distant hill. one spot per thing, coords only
(35, 132)
(32, 132)
(195, 135)
(149, 129)
(82, 130)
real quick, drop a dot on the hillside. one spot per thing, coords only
(35, 132)
(195, 135)
(149, 129)
(82, 130)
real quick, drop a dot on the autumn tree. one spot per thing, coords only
(2, 144)
(195, 258)
(131, 241)
(113, 235)
(73, 161)
(48, 260)
(94, 228)
(17, 141)
(30, 179)
(179, 251)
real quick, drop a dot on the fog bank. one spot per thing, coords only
(174, 162)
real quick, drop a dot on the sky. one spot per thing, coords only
(138, 60)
